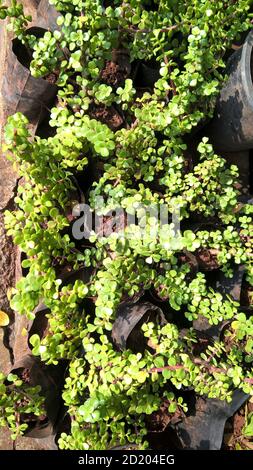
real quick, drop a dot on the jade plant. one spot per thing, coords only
(18, 402)
(145, 162)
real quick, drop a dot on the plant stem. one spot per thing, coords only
(197, 362)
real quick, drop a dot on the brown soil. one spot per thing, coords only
(51, 78)
(25, 376)
(227, 336)
(106, 115)
(202, 344)
(233, 435)
(207, 259)
(158, 421)
(113, 74)
(111, 223)
(238, 424)
(250, 407)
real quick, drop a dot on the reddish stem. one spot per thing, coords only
(197, 362)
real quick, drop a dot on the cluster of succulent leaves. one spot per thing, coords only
(109, 392)
(18, 400)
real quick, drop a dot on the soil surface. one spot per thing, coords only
(51, 78)
(159, 420)
(25, 375)
(203, 342)
(106, 115)
(113, 75)
(233, 436)
(207, 259)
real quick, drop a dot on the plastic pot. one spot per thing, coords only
(20, 91)
(231, 286)
(145, 76)
(126, 331)
(39, 326)
(231, 129)
(47, 15)
(203, 428)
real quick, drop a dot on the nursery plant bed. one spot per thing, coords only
(148, 323)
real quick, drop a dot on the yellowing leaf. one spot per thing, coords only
(4, 319)
(10, 292)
